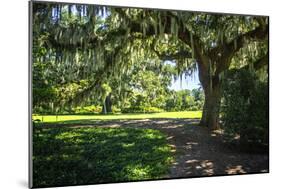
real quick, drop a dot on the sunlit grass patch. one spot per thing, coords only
(68, 156)
(91, 118)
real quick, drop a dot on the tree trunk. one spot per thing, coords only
(104, 111)
(106, 108)
(212, 90)
(211, 109)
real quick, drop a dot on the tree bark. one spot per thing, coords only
(106, 108)
(212, 91)
(211, 109)
(104, 111)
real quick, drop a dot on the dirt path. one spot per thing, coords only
(198, 151)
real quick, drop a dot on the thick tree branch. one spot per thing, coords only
(229, 49)
(236, 44)
(259, 63)
(184, 34)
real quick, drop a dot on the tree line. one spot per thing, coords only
(89, 51)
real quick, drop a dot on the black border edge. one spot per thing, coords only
(268, 102)
(30, 37)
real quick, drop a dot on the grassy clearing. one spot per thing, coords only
(89, 118)
(70, 156)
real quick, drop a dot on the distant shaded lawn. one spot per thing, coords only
(70, 156)
(88, 119)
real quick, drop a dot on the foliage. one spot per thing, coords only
(116, 110)
(141, 109)
(245, 109)
(185, 100)
(104, 45)
(143, 87)
(53, 99)
(43, 91)
(87, 110)
(98, 155)
(66, 92)
(88, 56)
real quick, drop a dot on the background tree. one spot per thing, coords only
(115, 39)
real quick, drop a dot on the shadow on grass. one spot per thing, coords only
(95, 114)
(121, 122)
(71, 156)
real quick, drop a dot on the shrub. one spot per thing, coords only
(142, 109)
(245, 109)
(115, 110)
(87, 109)
(193, 108)
(152, 109)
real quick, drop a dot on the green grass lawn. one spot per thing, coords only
(91, 118)
(70, 156)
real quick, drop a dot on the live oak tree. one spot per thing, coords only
(107, 42)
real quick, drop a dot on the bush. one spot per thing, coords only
(245, 110)
(142, 109)
(194, 108)
(152, 109)
(115, 110)
(88, 109)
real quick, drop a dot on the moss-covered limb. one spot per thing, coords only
(258, 64)
(228, 50)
